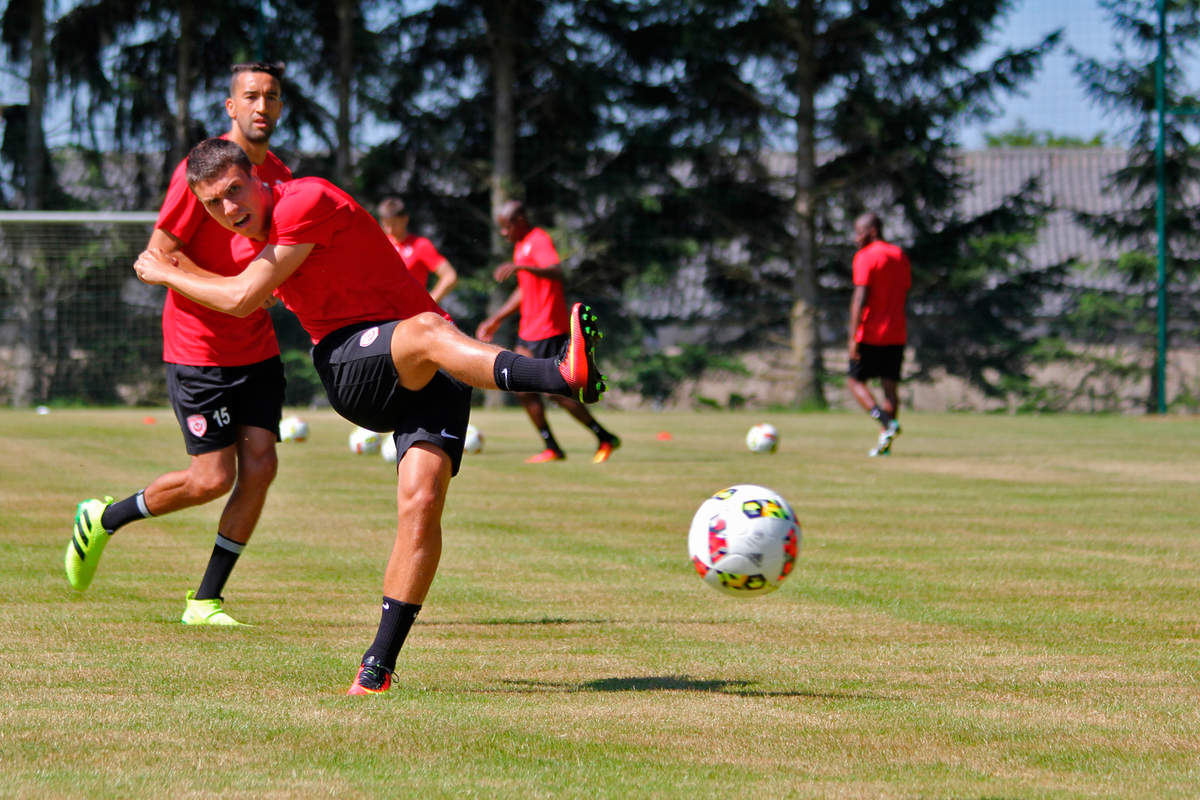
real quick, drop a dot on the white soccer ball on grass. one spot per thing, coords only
(364, 441)
(762, 438)
(293, 429)
(473, 441)
(744, 540)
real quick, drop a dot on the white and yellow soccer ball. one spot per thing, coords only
(473, 441)
(762, 438)
(364, 441)
(387, 447)
(293, 429)
(744, 540)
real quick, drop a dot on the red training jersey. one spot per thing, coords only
(353, 274)
(543, 308)
(884, 270)
(419, 254)
(193, 334)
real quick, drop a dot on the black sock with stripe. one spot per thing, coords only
(124, 512)
(224, 556)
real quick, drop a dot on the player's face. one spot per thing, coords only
(237, 201)
(512, 228)
(255, 105)
(395, 226)
(863, 233)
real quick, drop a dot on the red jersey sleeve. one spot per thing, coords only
(308, 216)
(863, 260)
(425, 253)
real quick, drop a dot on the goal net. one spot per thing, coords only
(76, 325)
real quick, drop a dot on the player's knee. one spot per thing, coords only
(258, 467)
(207, 486)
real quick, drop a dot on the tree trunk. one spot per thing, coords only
(35, 137)
(501, 39)
(183, 84)
(345, 83)
(805, 323)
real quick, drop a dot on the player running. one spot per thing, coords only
(543, 327)
(224, 375)
(388, 356)
(420, 256)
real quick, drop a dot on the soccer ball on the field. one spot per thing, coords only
(293, 429)
(387, 447)
(364, 441)
(473, 442)
(762, 438)
(744, 540)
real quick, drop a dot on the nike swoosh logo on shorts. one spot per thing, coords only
(447, 435)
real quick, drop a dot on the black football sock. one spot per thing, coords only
(517, 373)
(601, 433)
(549, 440)
(124, 512)
(395, 620)
(224, 555)
(883, 417)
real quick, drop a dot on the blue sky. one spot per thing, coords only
(1054, 100)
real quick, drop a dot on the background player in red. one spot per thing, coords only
(878, 325)
(224, 375)
(542, 331)
(389, 358)
(419, 254)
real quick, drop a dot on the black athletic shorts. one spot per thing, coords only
(545, 348)
(355, 365)
(211, 402)
(877, 361)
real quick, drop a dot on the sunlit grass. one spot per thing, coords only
(1006, 607)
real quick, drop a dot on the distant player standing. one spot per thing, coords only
(419, 254)
(543, 327)
(878, 325)
(389, 358)
(224, 375)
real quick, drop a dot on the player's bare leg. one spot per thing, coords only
(606, 442)
(423, 477)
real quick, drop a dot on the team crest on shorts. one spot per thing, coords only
(197, 424)
(368, 336)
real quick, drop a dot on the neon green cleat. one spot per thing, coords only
(207, 612)
(87, 543)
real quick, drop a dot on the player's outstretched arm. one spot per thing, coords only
(239, 295)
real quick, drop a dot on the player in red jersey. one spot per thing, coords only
(878, 325)
(419, 254)
(224, 376)
(389, 358)
(543, 327)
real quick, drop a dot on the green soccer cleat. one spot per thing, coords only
(577, 364)
(883, 447)
(207, 612)
(87, 543)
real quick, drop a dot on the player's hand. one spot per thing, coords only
(153, 266)
(504, 271)
(853, 350)
(486, 330)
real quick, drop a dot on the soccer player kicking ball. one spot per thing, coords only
(389, 358)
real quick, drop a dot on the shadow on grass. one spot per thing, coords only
(674, 683)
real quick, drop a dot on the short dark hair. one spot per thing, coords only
(391, 207)
(212, 157)
(514, 209)
(273, 68)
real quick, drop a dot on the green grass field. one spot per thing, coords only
(1008, 607)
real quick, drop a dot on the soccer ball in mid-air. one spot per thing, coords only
(293, 429)
(744, 540)
(762, 438)
(364, 441)
(387, 447)
(473, 441)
